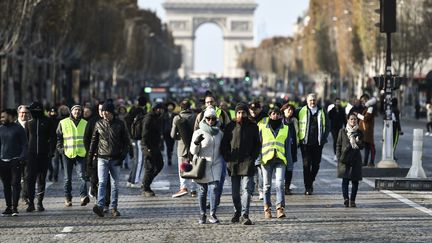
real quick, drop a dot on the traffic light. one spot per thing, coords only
(395, 82)
(387, 13)
(247, 76)
(379, 81)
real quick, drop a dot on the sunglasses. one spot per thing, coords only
(210, 118)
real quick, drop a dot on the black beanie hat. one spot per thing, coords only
(108, 106)
(241, 107)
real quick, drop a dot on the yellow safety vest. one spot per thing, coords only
(262, 123)
(272, 144)
(304, 123)
(73, 138)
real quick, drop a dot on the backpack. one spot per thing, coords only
(185, 130)
(136, 127)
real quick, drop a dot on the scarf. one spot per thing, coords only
(351, 132)
(212, 130)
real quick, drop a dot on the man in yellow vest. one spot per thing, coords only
(275, 155)
(70, 143)
(313, 131)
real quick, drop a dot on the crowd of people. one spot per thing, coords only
(250, 142)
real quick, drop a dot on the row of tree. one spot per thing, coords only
(74, 50)
(339, 39)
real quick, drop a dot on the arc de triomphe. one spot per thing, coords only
(234, 17)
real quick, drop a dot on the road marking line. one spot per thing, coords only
(388, 192)
(66, 229)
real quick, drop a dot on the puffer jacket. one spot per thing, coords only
(111, 140)
(209, 148)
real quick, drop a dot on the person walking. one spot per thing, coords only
(397, 128)
(275, 156)
(151, 144)
(13, 150)
(366, 124)
(167, 118)
(260, 118)
(313, 132)
(206, 144)
(291, 121)
(223, 120)
(24, 116)
(182, 131)
(70, 142)
(41, 145)
(336, 115)
(349, 167)
(429, 119)
(240, 148)
(134, 121)
(57, 160)
(110, 143)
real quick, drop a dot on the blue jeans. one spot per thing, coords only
(79, 166)
(279, 168)
(242, 190)
(105, 166)
(221, 182)
(212, 189)
(259, 179)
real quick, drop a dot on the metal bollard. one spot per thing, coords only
(416, 170)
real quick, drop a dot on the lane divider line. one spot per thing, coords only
(66, 229)
(387, 192)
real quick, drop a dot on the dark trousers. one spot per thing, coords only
(369, 148)
(153, 166)
(335, 134)
(169, 142)
(10, 174)
(37, 169)
(311, 163)
(429, 126)
(354, 188)
(56, 162)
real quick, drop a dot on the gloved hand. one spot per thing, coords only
(199, 139)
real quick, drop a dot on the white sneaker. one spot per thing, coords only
(335, 158)
(427, 134)
(261, 196)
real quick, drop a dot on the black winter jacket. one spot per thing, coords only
(240, 148)
(41, 136)
(152, 131)
(110, 140)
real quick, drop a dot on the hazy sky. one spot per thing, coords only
(272, 18)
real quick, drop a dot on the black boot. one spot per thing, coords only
(40, 207)
(30, 207)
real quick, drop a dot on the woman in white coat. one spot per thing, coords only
(206, 144)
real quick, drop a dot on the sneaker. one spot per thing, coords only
(427, 133)
(261, 196)
(98, 210)
(68, 202)
(115, 213)
(15, 212)
(85, 200)
(245, 220)
(30, 207)
(235, 218)
(308, 192)
(202, 219)
(182, 192)
(193, 193)
(133, 185)
(213, 219)
(7, 212)
(149, 193)
(280, 212)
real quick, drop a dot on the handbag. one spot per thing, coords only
(198, 169)
(347, 155)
